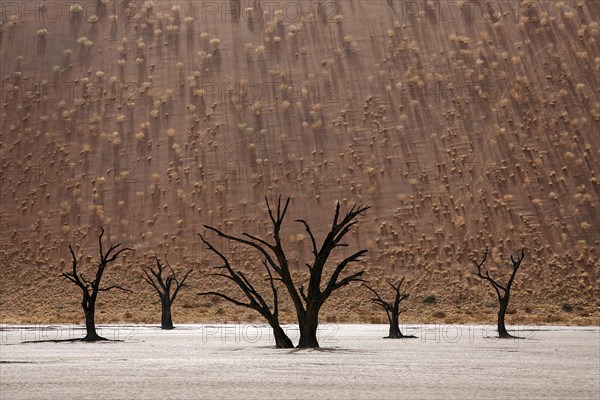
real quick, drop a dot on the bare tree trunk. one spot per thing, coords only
(502, 332)
(395, 332)
(282, 341)
(308, 329)
(166, 321)
(90, 324)
(394, 328)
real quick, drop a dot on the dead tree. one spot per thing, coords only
(165, 289)
(90, 289)
(307, 302)
(392, 309)
(503, 292)
(255, 300)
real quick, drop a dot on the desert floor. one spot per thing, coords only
(240, 361)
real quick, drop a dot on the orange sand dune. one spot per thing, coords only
(463, 125)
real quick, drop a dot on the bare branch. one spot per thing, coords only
(73, 276)
(336, 216)
(88, 283)
(100, 243)
(230, 299)
(114, 287)
(256, 301)
(157, 276)
(150, 281)
(303, 294)
(180, 285)
(273, 289)
(480, 264)
(114, 257)
(351, 278)
(310, 234)
(497, 287)
(259, 240)
(266, 255)
(377, 299)
(75, 281)
(516, 265)
(271, 211)
(341, 266)
(280, 214)
(343, 233)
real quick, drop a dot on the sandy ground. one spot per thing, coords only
(239, 361)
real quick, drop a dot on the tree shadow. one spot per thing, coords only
(505, 337)
(17, 362)
(84, 340)
(401, 337)
(324, 350)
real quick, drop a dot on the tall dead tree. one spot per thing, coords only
(167, 292)
(90, 289)
(503, 292)
(307, 302)
(392, 309)
(255, 300)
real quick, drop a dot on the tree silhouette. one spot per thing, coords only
(307, 302)
(255, 300)
(392, 309)
(503, 292)
(167, 292)
(90, 289)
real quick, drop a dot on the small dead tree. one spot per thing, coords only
(90, 289)
(307, 302)
(255, 300)
(167, 292)
(503, 292)
(392, 309)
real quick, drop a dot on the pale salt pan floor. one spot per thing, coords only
(239, 361)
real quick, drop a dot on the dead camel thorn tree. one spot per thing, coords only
(90, 289)
(503, 292)
(255, 300)
(392, 309)
(308, 302)
(167, 292)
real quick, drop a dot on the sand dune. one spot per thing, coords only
(463, 125)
